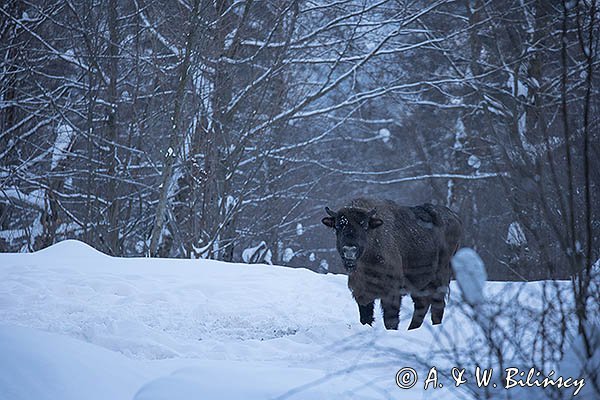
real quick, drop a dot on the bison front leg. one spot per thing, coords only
(422, 304)
(391, 310)
(366, 313)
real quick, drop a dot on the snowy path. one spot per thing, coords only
(77, 324)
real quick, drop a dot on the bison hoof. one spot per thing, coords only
(414, 325)
(366, 322)
(391, 325)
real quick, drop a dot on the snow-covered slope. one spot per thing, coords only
(77, 324)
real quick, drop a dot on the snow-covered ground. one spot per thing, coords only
(77, 324)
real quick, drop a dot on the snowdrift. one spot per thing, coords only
(78, 324)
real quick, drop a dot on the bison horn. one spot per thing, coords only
(371, 213)
(331, 213)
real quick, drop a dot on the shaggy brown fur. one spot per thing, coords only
(390, 250)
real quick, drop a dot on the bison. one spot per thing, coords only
(390, 250)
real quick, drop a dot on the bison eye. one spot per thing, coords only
(364, 224)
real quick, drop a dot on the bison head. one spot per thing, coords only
(351, 226)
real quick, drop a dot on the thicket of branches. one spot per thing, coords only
(220, 129)
(196, 128)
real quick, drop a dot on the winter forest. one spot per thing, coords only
(220, 130)
(200, 129)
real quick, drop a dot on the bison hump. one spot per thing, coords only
(427, 213)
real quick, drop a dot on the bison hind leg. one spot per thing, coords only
(366, 313)
(422, 304)
(438, 304)
(437, 314)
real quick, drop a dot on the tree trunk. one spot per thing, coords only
(176, 134)
(112, 227)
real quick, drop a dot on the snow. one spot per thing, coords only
(576, 358)
(78, 324)
(571, 4)
(50, 366)
(384, 134)
(34, 199)
(522, 89)
(324, 265)
(64, 137)
(235, 380)
(258, 253)
(470, 274)
(268, 257)
(459, 134)
(288, 254)
(230, 203)
(249, 252)
(515, 235)
(299, 229)
(474, 161)
(229, 39)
